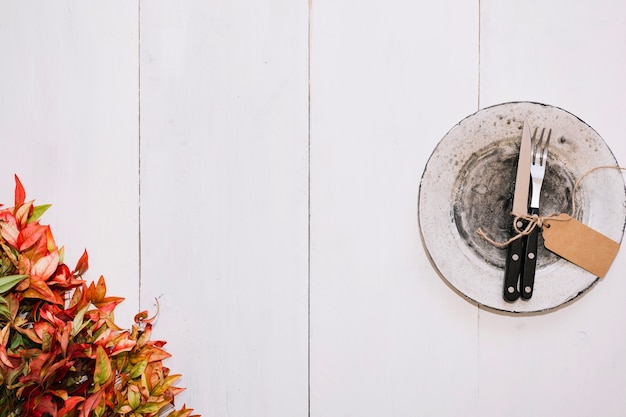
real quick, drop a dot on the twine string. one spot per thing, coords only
(533, 220)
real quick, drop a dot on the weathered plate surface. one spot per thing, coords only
(468, 183)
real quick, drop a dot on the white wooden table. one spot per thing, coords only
(255, 165)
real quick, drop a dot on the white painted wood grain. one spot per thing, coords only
(388, 80)
(224, 199)
(68, 128)
(570, 362)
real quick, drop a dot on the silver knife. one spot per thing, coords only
(515, 251)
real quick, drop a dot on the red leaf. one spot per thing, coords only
(107, 304)
(20, 194)
(91, 403)
(70, 405)
(42, 327)
(30, 235)
(64, 337)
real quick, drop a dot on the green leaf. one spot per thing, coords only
(134, 397)
(151, 407)
(103, 372)
(138, 369)
(77, 324)
(10, 281)
(5, 311)
(38, 211)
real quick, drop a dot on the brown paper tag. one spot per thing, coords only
(579, 244)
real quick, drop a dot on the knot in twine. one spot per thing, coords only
(534, 220)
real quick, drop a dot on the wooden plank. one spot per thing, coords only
(388, 80)
(224, 199)
(68, 125)
(569, 362)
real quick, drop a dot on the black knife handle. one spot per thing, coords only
(530, 261)
(513, 268)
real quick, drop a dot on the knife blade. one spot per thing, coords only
(515, 250)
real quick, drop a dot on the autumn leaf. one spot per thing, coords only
(30, 334)
(82, 265)
(22, 212)
(123, 345)
(4, 357)
(8, 228)
(45, 267)
(39, 289)
(91, 403)
(30, 235)
(20, 194)
(103, 372)
(70, 405)
(64, 337)
(164, 385)
(151, 354)
(183, 412)
(151, 407)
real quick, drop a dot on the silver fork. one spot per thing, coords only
(538, 164)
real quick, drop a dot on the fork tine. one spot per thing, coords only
(544, 154)
(539, 147)
(535, 145)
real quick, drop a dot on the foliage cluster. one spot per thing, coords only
(61, 353)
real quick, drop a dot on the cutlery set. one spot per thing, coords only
(521, 260)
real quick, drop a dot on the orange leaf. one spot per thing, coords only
(107, 304)
(183, 412)
(39, 289)
(51, 244)
(45, 267)
(123, 346)
(8, 228)
(153, 354)
(4, 335)
(100, 291)
(22, 212)
(4, 358)
(42, 327)
(83, 264)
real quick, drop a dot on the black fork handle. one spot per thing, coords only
(530, 261)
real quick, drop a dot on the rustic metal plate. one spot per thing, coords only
(468, 183)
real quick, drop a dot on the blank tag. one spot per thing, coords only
(580, 244)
